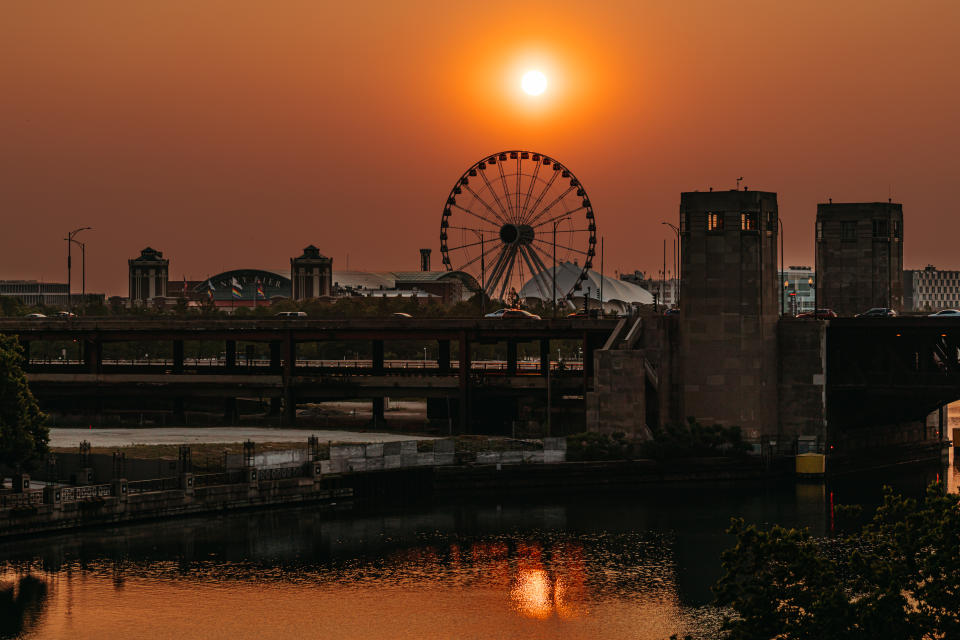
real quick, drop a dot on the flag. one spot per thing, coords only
(209, 290)
(260, 289)
(235, 290)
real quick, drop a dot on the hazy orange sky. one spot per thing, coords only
(232, 133)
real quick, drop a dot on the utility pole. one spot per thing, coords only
(70, 242)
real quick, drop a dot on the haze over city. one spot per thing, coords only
(229, 133)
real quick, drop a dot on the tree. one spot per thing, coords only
(895, 578)
(23, 435)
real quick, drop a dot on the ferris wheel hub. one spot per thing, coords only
(514, 234)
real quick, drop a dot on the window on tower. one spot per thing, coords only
(714, 221)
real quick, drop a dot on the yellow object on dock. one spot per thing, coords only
(811, 464)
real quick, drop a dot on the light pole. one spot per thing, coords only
(70, 242)
(483, 270)
(676, 261)
(782, 273)
(553, 292)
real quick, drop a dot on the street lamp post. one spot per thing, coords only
(483, 270)
(676, 262)
(553, 292)
(70, 242)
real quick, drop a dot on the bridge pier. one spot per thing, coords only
(179, 411)
(276, 349)
(178, 356)
(443, 356)
(464, 386)
(544, 357)
(511, 357)
(289, 418)
(93, 355)
(231, 355)
(276, 405)
(25, 345)
(230, 413)
(377, 359)
(379, 412)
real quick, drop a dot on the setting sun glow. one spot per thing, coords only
(534, 83)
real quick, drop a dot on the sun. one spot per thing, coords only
(534, 83)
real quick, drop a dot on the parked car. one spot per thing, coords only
(518, 313)
(292, 314)
(819, 314)
(400, 314)
(35, 316)
(877, 312)
(945, 313)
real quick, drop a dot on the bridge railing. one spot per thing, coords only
(156, 484)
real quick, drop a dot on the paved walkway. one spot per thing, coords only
(116, 437)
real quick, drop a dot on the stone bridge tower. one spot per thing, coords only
(729, 310)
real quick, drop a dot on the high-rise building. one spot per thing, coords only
(148, 276)
(859, 256)
(311, 274)
(728, 319)
(930, 289)
(797, 285)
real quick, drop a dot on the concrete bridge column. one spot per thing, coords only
(178, 356)
(231, 413)
(464, 383)
(276, 406)
(379, 412)
(179, 411)
(511, 357)
(231, 355)
(377, 359)
(25, 344)
(93, 355)
(544, 356)
(276, 348)
(289, 366)
(443, 356)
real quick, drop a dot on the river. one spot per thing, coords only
(599, 564)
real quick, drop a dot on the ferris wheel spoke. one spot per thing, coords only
(464, 246)
(484, 254)
(486, 181)
(544, 270)
(543, 192)
(535, 276)
(497, 271)
(533, 182)
(561, 246)
(560, 216)
(476, 215)
(509, 271)
(487, 205)
(519, 175)
(550, 206)
(506, 192)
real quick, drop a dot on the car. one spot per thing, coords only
(877, 312)
(66, 314)
(518, 313)
(400, 314)
(581, 313)
(292, 314)
(495, 314)
(672, 312)
(35, 316)
(819, 314)
(945, 313)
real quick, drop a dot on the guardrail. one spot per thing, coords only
(81, 494)
(20, 500)
(280, 473)
(157, 484)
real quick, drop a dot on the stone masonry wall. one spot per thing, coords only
(617, 402)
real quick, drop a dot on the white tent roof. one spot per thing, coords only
(614, 290)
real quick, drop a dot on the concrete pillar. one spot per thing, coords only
(464, 383)
(289, 366)
(511, 357)
(379, 415)
(275, 406)
(179, 411)
(377, 358)
(276, 348)
(25, 344)
(231, 353)
(289, 417)
(178, 356)
(443, 356)
(93, 355)
(544, 356)
(230, 412)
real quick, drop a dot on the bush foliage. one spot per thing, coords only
(897, 577)
(688, 440)
(23, 435)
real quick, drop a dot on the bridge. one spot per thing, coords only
(75, 364)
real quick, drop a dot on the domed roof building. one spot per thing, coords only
(618, 296)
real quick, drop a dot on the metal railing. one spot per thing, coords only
(156, 484)
(81, 494)
(234, 476)
(21, 500)
(280, 473)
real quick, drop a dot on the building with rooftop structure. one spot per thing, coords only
(148, 275)
(931, 289)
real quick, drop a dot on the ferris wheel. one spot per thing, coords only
(510, 217)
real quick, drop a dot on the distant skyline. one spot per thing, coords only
(234, 133)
